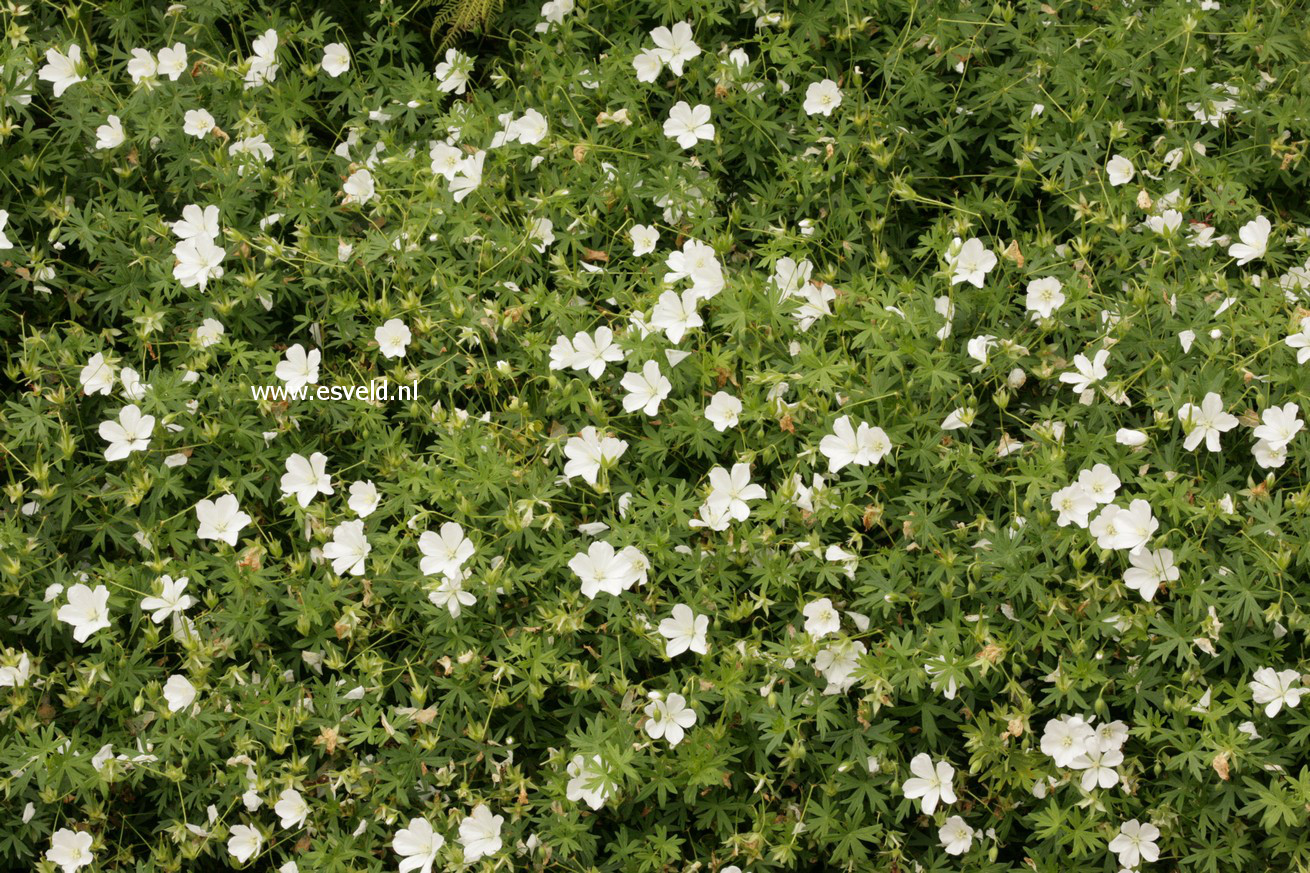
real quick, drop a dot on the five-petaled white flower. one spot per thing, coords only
(445, 553)
(846, 445)
(588, 781)
(70, 850)
(1150, 569)
(602, 569)
(306, 478)
(417, 846)
(291, 809)
(1135, 843)
(675, 46)
(364, 498)
(1279, 426)
(1205, 422)
(131, 433)
(588, 452)
(87, 610)
(1044, 296)
(685, 631)
(392, 338)
(244, 842)
(956, 836)
(298, 368)
(336, 59)
(348, 549)
(1275, 689)
(971, 262)
(688, 125)
(479, 833)
(220, 519)
(1119, 170)
(644, 238)
(645, 389)
(110, 135)
(172, 599)
(668, 717)
(931, 782)
(821, 98)
(179, 693)
(723, 412)
(1254, 243)
(821, 618)
(61, 69)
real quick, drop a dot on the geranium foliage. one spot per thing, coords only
(847, 436)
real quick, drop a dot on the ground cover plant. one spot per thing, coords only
(681, 436)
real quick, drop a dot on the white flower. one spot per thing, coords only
(724, 411)
(931, 782)
(61, 69)
(133, 388)
(541, 233)
(530, 128)
(306, 478)
(445, 553)
(845, 445)
(1149, 570)
(1136, 843)
(590, 352)
(220, 519)
(1131, 438)
(172, 599)
(1087, 372)
(1097, 764)
(252, 147)
(1166, 222)
(142, 65)
(689, 125)
(821, 618)
(16, 676)
(821, 98)
(263, 64)
(1044, 296)
(87, 610)
(1299, 340)
(479, 833)
(1273, 689)
(669, 718)
(244, 842)
(131, 433)
(363, 498)
(1100, 483)
(644, 237)
(960, 418)
(298, 368)
(4, 240)
(336, 59)
(648, 64)
(451, 594)
(291, 809)
(1120, 171)
(1132, 527)
(179, 692)
(96, 377)
(469, 176)
(110, 134)
(645, 389)
(392, 338)
(453, 73)
(602, 569)
(838, 663)
(172, 61)
(1279, 427)
(675, 47)
(733, 489)
(417, 845)
(1255, 241)
(1065, 738)
(198, 261)
(71, 850)
(348, 549)
(813, 304)
(359, 187)
(1267, 456)
(956, 836)
(446, 159)
(675, 314)
(588, 451)
(1205, 422)
(972, 263)
(587, 781)
(685, 631)
(196, 223)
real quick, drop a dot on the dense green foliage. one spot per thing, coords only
(971, 614)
